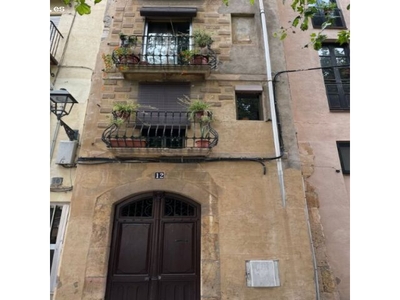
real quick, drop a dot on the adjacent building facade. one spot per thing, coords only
(321, 105)
(153, 213)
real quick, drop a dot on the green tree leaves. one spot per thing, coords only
(81, 7)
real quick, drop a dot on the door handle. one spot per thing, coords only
(148, 278)
(155, 277)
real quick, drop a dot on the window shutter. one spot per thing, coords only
(164, 97)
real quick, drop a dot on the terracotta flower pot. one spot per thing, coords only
(199, 60)
(203, 144)
(127, 143)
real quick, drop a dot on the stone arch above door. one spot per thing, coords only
(100, 239)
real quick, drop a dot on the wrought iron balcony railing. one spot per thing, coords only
(162, 50)
(159, 129)
(335, 16)
(55, 38)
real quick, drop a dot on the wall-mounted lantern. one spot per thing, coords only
(61, 103)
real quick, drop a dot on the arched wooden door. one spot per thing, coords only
(155, 252)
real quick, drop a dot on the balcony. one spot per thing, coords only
(155, 134)
(55, 38)
(334, 15)
(157, 56)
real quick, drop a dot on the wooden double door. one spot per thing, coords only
(155, 252)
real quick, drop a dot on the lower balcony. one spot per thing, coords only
(154, 134)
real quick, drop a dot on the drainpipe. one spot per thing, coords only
(272, 104)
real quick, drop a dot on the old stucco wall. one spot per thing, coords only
(318, 129)
(238, 223)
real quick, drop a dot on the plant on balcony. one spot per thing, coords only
(125, 55)
(196, 107)
(128, 40)
(204, 141)
(202, 39)
(194, 57)
(187, 55)
(108, 62)
(124, 110)
(199, 55)
(117, 121)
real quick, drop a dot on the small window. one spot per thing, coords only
(344, 155)
(248, 102)
(248, 106)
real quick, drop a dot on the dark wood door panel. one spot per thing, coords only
(177, 290)
(129, 291)
(178, 248)
(134, 249)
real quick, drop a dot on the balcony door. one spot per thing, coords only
(164, 40)
(155, 253)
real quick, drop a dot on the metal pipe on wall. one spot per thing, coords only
(272, 103)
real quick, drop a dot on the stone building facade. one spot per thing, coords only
(175, 221)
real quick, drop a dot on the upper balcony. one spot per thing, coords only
(55, 38)
(157, 55)
(160, 134)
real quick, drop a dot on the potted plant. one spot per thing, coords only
(124, 110)
(202, 42)
(196, 107)
(204, 141)
(187, 55)
(125, 55)
(202, 39)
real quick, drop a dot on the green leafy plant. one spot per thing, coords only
(128, 40)
(196, 107)
(117, 121)
(205, 121)
(187, 55)
(305, 12)
(108, 62)
(125, 107)
(202, 38)
(122, 51)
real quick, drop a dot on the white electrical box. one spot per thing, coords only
(66, 152)
(262, 273)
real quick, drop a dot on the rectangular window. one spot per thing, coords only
(337, 79)
(248, 102)
(165, 125)
(344, 155)
(327, 11)
(58, 220)
(165, 40)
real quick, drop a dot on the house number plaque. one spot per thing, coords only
(159, 175)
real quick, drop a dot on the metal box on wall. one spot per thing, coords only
(262, 273)
(66, 152)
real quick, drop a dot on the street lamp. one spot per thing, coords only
(61, 103)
